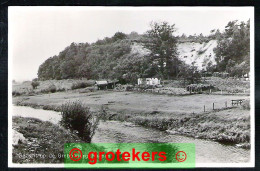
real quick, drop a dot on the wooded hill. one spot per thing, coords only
(156, 53)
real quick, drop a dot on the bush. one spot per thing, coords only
(35, 84)
(246, 105)
(16, 93)
(201, 51)
(60, 89)
(79, 85)
(52, 88)
(77, 117)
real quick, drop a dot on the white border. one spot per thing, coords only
(252, 82)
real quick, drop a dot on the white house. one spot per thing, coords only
(148, 81)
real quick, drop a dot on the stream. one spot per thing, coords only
(207, 151)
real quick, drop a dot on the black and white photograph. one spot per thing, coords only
(131, 75)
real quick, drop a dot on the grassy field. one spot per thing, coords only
(171, 87)
(131, 102)
(48, 86)
(230, 85)
(177, 114)
(44, 141)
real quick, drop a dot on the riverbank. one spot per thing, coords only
(221, 126)
(43, 143)
(174, 114)
(126, 132)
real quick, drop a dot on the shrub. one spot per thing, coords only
(201, 51)
(52, 88)
(79, 85)
(35, 84)
(60, 89)
(246, 105)
(16, 93)
(77, 117)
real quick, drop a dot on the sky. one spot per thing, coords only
(37, 33)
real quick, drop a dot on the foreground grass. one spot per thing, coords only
(44, 141)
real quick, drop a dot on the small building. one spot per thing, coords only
(112, 83)
(104, 84)
(148, 81)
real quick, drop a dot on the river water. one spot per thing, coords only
(124, 132)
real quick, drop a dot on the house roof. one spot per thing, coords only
(104, 82)
(112, 81)
(101, 82)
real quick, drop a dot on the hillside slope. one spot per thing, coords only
(201, 54)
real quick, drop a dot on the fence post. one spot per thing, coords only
(226, 104)
(213, 106)
(204, 109)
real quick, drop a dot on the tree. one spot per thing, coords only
(163, 47)
(183, 36)
(189, 73)
(45, 70)
(133, 35)
(35, 84)
(230, 28)
(68, 69)
(218, 35)
(234, 46)
(84, 71)
(119, 36)
(210, 67)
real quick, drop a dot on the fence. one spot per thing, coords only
(221, 106)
